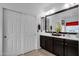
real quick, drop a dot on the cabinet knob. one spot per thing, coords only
(65, 43)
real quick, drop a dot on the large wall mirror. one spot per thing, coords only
(67, 20)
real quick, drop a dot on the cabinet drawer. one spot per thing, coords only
(58, 41)
(71, 43)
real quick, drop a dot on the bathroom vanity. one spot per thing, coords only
(59, 45)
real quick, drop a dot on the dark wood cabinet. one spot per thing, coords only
(42, 41)
(59, 46)
(49, 44)
(46, 43)
(71, 48)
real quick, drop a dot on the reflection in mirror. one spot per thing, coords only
(67, 19)
(42, 24)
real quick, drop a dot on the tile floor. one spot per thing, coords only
(39, 52)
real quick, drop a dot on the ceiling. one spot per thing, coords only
(33, 8)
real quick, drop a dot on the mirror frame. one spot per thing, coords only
(76, 6)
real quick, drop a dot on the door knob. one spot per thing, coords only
(5, 36)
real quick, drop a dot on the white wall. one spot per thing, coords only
(31, 18)
(1, 30)
(38, 35)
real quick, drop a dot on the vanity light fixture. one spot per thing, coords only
(50, 11)
(67, 5)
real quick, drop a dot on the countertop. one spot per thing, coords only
(64, 37)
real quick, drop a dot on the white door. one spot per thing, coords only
(19, 33)
(12, 40)
(28, 31)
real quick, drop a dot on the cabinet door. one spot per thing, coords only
(71, 48)
(42, 41)
(58, 46)
(71, 51)
(49, 44)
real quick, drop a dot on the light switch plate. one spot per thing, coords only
(77, 35)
